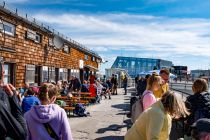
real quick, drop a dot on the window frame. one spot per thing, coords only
(66, 47)
(30, 73)
(12, 26)
(93, 58)
(39, 40)
(86, 57)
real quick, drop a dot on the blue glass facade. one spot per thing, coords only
(135, 66)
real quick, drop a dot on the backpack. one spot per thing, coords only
(80, 110)
(137, 109)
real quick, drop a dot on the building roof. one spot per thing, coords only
(118, 57)
(33, 22)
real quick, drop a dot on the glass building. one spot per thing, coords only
(135, 66)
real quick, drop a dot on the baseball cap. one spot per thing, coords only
(202, 125)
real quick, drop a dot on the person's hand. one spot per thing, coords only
(12, 87)
(8, 90)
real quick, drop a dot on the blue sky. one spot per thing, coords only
(176, 30)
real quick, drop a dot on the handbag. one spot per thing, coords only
(50, 131)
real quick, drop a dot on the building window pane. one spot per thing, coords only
(44, 74)
(52, 74)
(9, 28)
(30, 74)
(38, 38)
(7, 74)
(93, 58)
(86, 57)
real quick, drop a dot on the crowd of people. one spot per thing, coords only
(32, 113)
(160, 106)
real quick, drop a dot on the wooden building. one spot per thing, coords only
(34, 53)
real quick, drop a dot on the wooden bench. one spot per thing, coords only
(68, 110)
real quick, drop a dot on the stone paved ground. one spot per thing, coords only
(108, 120)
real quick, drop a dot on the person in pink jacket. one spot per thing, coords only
(153, 84)
(41, 117)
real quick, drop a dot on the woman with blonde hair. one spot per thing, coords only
(198, 103)
(155, 122)
(47, 121)
(153, 84)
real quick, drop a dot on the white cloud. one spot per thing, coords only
(138, 33)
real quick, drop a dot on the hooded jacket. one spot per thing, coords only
(52, 114)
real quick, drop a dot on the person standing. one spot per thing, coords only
(155, 122)
(164, 74)
(48, 120)
(198, 103)
(125, 84)
(29, 100)
(153, 85)
(12, 123)
(114, 84)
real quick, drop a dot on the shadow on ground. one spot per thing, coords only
(111, 138)
(122, 113)
(115, 127)
(124, 106)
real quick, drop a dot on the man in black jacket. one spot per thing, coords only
(12, 123)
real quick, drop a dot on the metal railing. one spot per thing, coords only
(36, 22)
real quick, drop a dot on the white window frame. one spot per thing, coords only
(93, 58)
(66, 49)
(12, 26)
(39, 38)
(45, 70)
(30, 34)
(7, 74)
(29, 79)
(86, 57)
(50, 40)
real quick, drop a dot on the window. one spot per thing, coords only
(86, 57)
(50, 42)
(75, 72)
(8, 73)
(38, 38)
(30, 34)
(93, 58)
(63, 74)
(44, 74)
(8, 28)
(133, 64)
(52, 75)
(66, 49)
(30, 74)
